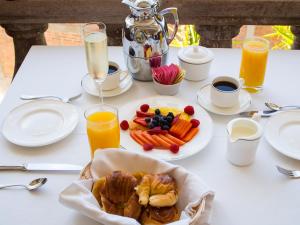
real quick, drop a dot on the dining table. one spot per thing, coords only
(255, 194)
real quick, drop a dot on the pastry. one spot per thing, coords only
(158, 216)
(116, 195)
(158, 190)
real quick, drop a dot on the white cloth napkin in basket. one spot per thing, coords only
(195, 198)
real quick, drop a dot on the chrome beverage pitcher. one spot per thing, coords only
(146, 37)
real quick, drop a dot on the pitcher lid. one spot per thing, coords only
(141, 4)
(195, 54)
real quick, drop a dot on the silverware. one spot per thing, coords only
(262, 113)
(33, 185)
(42, 167)
(276, 107)
(63, 99)
(289, 173)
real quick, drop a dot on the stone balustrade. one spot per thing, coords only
(217, 21)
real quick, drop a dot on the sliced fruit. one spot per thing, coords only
(157, 130)
(185, 130)
(150, 139)
(195, 123)
(176, 118)
(175, 140)
(162, 143)
(144, 107)
(180, 128)
(174, 148)
(191, 134)
(135, 126)
(144, 114)
(135, 137)
(140, 121)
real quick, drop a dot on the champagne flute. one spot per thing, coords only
(95, 42)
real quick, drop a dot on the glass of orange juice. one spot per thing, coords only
(102, 127)
(254, 61)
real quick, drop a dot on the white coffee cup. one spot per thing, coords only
(113, 78)
(225, 98)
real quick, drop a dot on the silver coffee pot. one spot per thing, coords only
(146, 38)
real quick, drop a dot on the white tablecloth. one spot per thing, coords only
(250, 195)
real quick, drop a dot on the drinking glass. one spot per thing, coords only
(254, 61)
(102, 127)
(95, 42)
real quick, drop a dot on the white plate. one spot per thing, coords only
(40, 122)
(88, 85)
(203, 97)
(197, 144)
(282, 132)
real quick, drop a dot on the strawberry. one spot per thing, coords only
(144, 114)
(124, 125)
(140, 121)
(144, 107)
(176, 118)
(174, 148)
(195, 123)
(148, 147)
(189, 110)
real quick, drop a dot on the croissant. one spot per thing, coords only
(116, 194)
(158, 216)
(158, 190)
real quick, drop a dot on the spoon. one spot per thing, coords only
(275, 107)
(63, 99)
(33, 185)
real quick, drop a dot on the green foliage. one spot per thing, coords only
(186, 36)
(284, 36)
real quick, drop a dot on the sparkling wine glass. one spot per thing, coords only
(95, 42)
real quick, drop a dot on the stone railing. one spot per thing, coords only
(217, 21)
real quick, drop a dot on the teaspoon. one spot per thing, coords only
(275, 107)
(33, 185)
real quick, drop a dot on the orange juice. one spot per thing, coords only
(103, 130)
(254, 62)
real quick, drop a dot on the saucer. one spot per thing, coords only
(203, 98)
(88, 85)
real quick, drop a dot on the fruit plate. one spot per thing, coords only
(198, 143)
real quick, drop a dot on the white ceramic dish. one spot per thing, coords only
(88, 85)
(197, 144)
(203, 97)
(39, 123)
(196, 61)
(166, 89)
(282, 132)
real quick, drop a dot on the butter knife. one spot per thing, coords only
(42, 167)
(262, 113)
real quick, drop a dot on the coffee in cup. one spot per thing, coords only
(225, 91)
(113, 78)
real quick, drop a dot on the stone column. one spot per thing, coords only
(114, 33)
(217, 36)
(296, 31)
(24, 36)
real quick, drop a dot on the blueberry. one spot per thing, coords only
(155, 123)
(151, 125)
(170, 114)
(156, 118)
(157, 111)
(169, 119)
(165, 127)
(148, 120)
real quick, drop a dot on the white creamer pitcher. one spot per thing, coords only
(242, 140)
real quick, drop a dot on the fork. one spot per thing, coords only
(289, 173)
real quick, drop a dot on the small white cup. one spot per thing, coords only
(243, 138)
(113, 79)
(225, 99)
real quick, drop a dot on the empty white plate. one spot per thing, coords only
(40, 122)
(283, 132)
(88, 85)
(203, 97)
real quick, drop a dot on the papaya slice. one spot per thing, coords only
(191, 134)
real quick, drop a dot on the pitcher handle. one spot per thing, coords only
(173, 11)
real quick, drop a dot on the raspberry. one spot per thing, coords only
(144, 107)
(174, 148)
(189, 110)
(195, 123)
(148, 147)
(124, 125)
